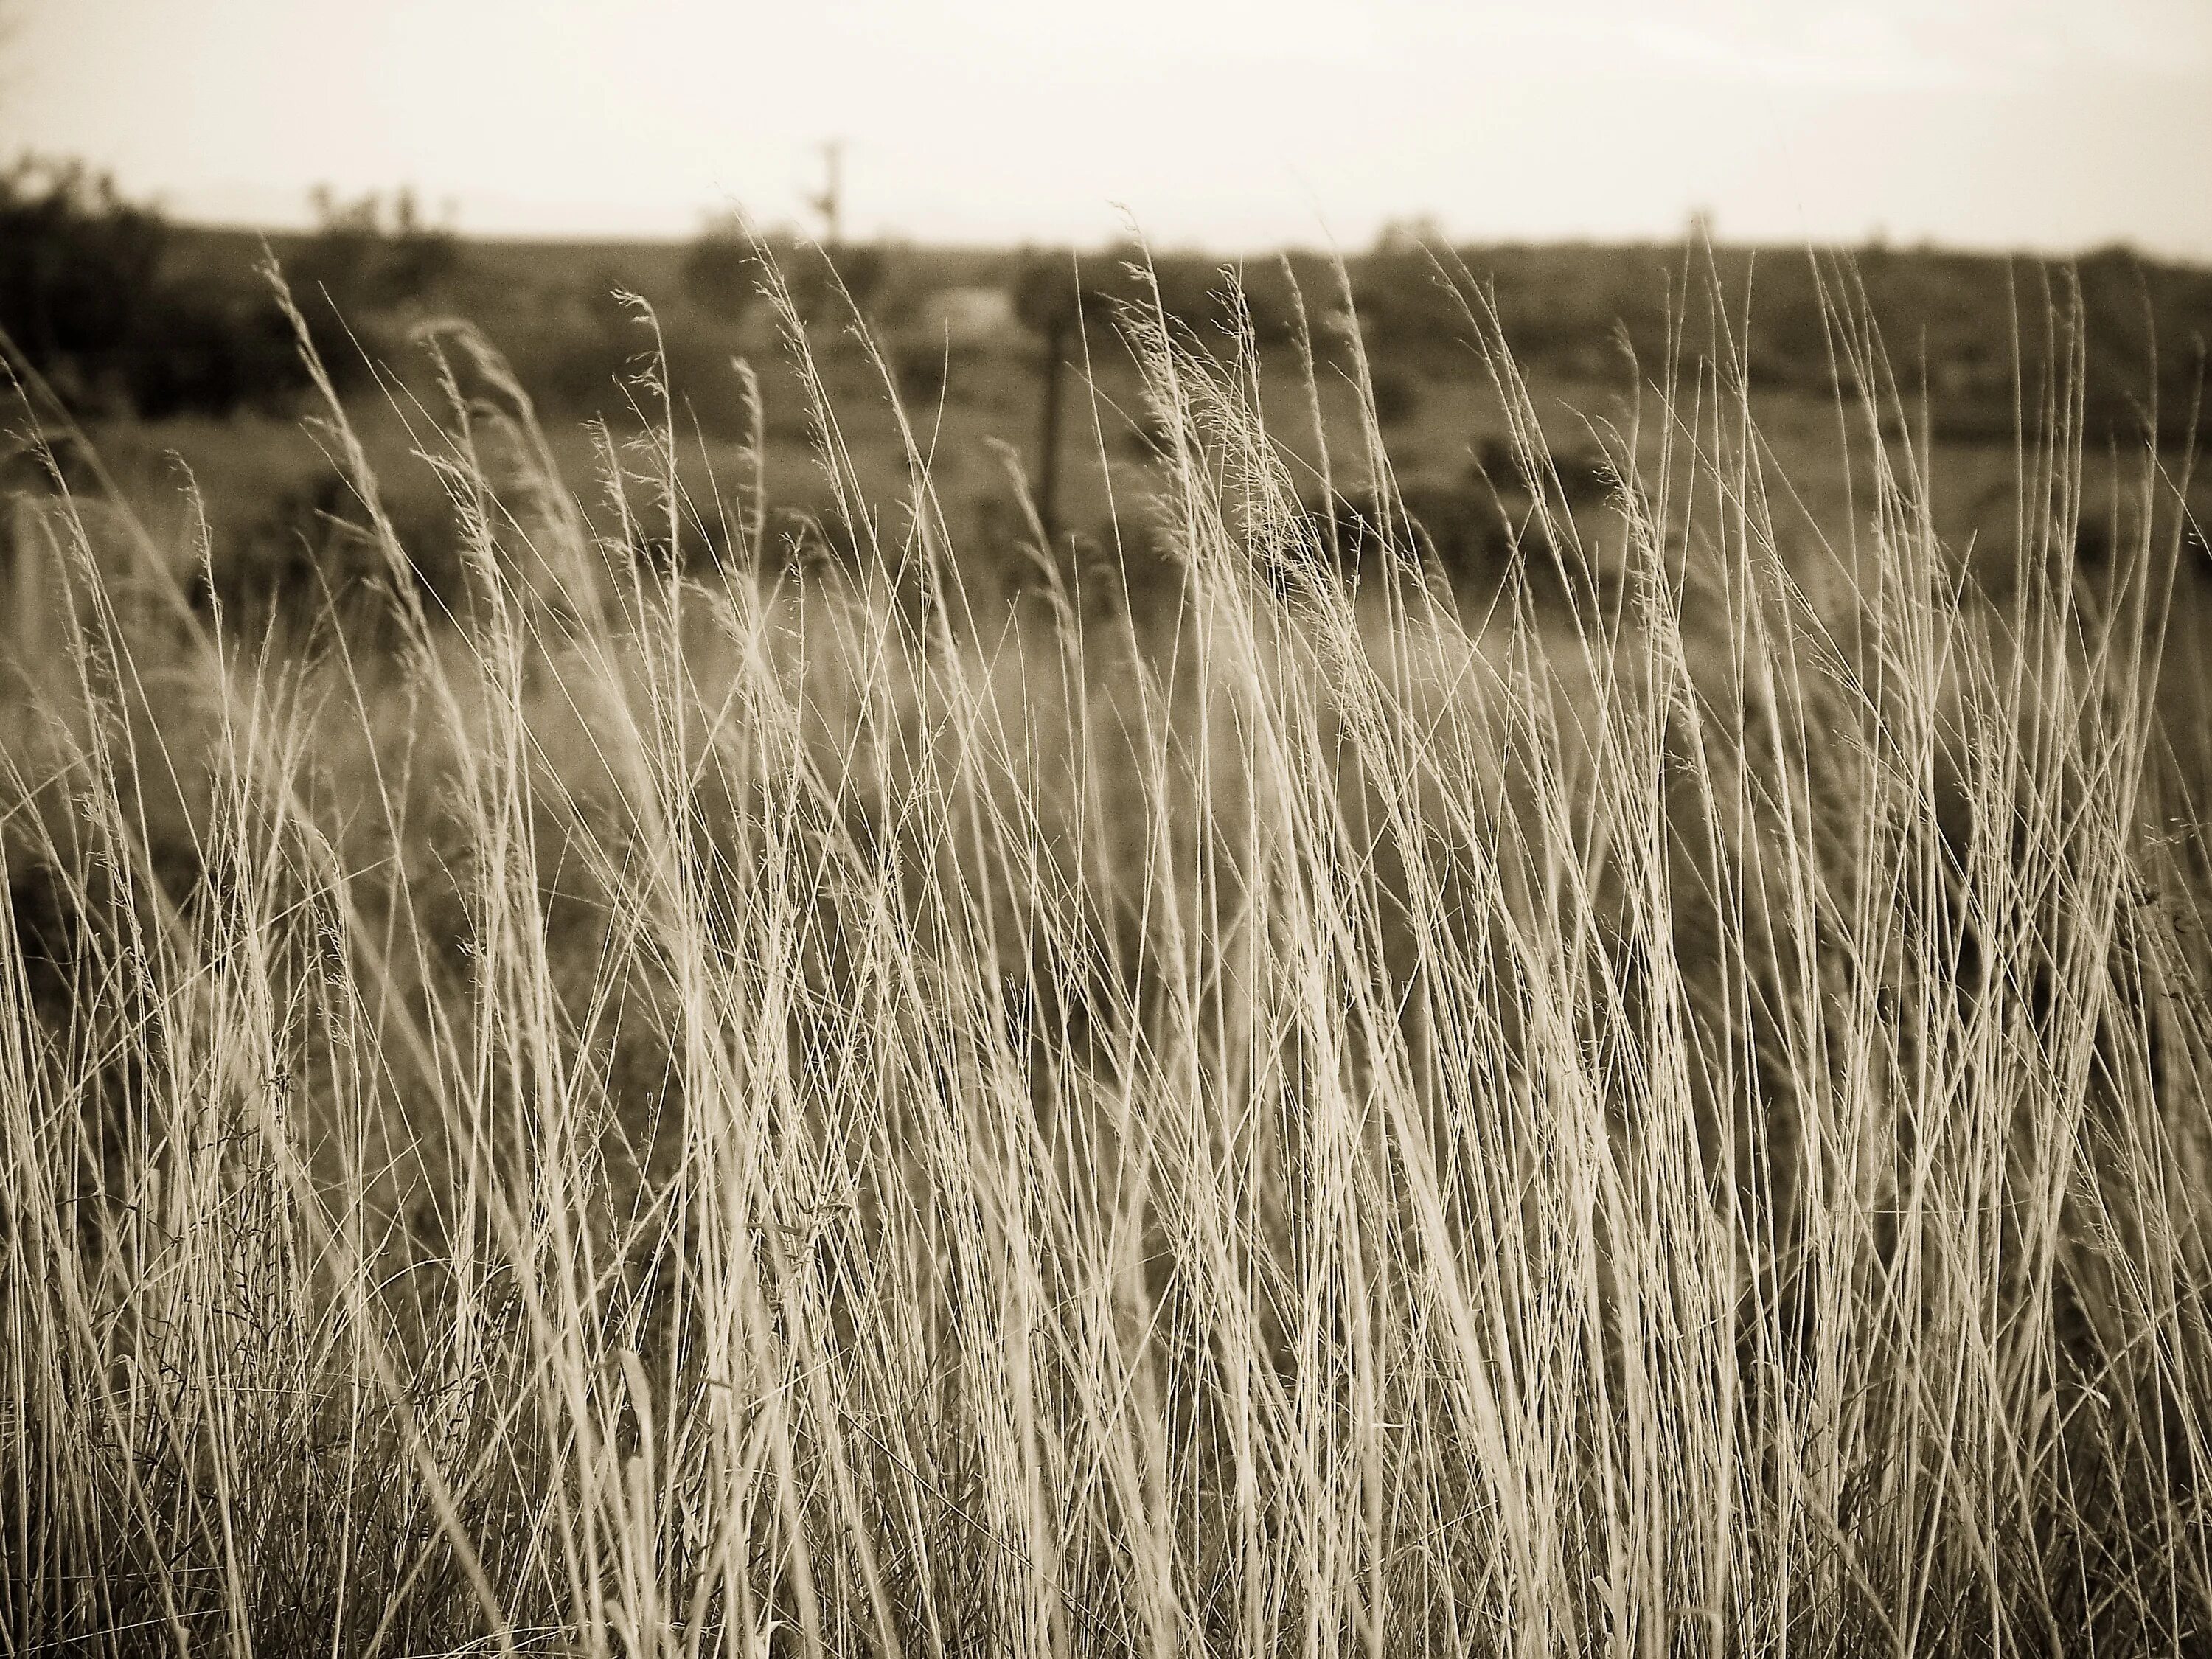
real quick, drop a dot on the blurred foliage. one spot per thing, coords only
(90, 298)
(1966, 330)
(373, 253)
(1208, 303)
(721, 270)
(831, 286)
(126, 312)
(1397, 395)
(370, 271)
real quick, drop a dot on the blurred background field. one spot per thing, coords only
(736, 947)
(167, 341)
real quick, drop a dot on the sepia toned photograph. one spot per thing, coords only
(1178, 830)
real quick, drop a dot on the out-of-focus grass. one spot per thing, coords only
(683, 1103)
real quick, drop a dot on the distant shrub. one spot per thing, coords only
(217, 345)
(721, 271)
(78, 268)
(90, 297)
(831, 286)
(1458, 529)
(374, 254)
(371, 268)
(1582, 478)
(1397, 395)
(1403, 300)
(313, 541)
(924, 373)
(578, 351)
(1051, 290)
(1207, 301)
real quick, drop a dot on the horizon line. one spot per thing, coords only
(1921, 246)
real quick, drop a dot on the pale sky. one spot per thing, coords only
(2051, 124)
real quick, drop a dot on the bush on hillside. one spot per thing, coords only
(90, 303)
(722, 272)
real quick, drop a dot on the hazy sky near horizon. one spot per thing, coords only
(2052, 125)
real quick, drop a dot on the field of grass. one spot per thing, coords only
(1588, 324)
(696, 1091)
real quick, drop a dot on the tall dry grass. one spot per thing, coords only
(764, 1111)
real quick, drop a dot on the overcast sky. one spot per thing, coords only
(2052, 125)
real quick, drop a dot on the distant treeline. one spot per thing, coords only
(124, 312)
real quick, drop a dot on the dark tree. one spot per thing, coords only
(721, 271)
(1050, 294)
(78, 265)
(833, 284)
(373, 254)
(101, 297)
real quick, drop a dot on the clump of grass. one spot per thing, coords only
(701, 1107)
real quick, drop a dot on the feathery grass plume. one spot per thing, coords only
(708, 1106)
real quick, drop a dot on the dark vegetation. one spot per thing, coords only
(125, 312)
(174, 335)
